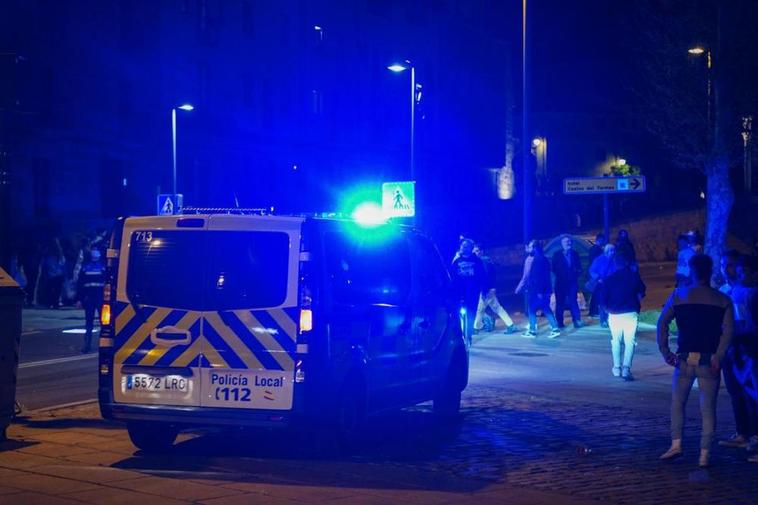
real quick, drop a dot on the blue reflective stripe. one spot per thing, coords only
(222, 347)
(118, 309)
(260, 352)
(281, 336)
(146, 345)
(140, 316)
(173, 353)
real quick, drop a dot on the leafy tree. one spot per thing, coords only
(687, 99)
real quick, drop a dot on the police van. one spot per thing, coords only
(267, 321)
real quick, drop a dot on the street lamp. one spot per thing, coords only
(185, 107)
(401, 67)
(699, 51)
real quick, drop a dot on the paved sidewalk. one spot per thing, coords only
(543, 423)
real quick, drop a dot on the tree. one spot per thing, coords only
(682, 84)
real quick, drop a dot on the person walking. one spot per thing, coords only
(603, 266)
(686, 244)
(738, 363)
(624, 246)
(705, 318)
(53, 268)
(535, 281)
(489, 296)
(90, 292)
(620, 300)
(596, 250)
(469, 280)
(567, 267)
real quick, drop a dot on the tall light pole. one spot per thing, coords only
(186, 107)
(525, 148)
(700, 51)
(401, 67)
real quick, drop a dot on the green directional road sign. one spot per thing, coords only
(399, 199)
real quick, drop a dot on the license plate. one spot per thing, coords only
(150, 383)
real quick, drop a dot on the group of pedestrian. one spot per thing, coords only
(717, 333)
(54, 272)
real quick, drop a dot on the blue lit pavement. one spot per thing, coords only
(543, 422)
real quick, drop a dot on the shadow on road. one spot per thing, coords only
(400, 450)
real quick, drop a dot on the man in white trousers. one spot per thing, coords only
(488, 297)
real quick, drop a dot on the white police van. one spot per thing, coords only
(259, 320)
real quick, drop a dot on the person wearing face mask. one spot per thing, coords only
(535, 281)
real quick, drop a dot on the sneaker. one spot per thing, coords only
(555, 332)
(529, 334)
(616, 371)
(510, 329)
(736, 441)
(579, 324)
(673, 452)
(753, 458)
(626, 374)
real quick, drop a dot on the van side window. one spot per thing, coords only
(365, 273)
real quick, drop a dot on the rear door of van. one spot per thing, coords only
(249, 330)
(158, 311)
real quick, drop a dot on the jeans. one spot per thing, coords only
(90, 306)
(734, 366)
(623, 328)
(540, 301)
(489, 299)
(708, 385)
(566, 295)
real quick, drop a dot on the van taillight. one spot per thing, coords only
(306, 320)
(105, 315)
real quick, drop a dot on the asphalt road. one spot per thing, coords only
(53, 372)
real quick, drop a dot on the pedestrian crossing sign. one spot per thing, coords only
(399, 199)
(168, 205)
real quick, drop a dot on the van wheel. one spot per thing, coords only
(446, 404)
(350, 417)
(152, 437)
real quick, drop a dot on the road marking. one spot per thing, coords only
(59, 406)
(66, 359)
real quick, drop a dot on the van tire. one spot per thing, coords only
(152, 437)
(446, 404)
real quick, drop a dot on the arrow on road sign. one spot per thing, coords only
(635, 183)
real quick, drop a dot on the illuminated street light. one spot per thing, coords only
(697, 50)
(621, 162)
(536, 142)
(185, 107)
(401, 67)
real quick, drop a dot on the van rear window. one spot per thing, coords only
(208, 270)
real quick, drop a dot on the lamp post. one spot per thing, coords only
(526, 172)
(401, 67)
(700, 51)
(186, 107)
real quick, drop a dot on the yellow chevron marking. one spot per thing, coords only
(232, 340)
(213, 357)
(191, 353)
(156, 353)
(123, 319)
(140, 335)
(283, 320)
(267, 341)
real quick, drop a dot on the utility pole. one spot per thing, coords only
(526, 186)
